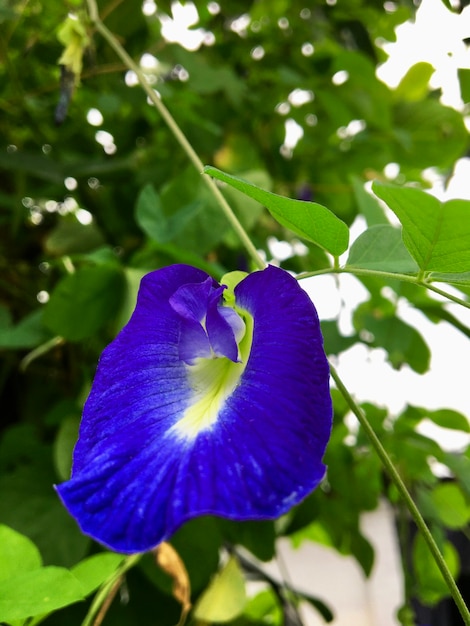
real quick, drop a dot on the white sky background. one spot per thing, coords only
(435, 37)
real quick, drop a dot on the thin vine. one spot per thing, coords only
(405, 495)
(177, 132)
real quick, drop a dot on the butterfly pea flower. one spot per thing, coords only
(212, 400)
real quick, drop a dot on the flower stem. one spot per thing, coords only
(107, 591)
(177, 132)
(405, 495)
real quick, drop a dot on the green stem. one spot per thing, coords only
(39, 351)
(405, 495)
(107, 588)
(406, 278)
(449, 296)
(404, 541)
(177, 132)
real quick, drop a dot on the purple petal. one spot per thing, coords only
(190, 301)
(205, 330)
(224, 327)
(137, 476)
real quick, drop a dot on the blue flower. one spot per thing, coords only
(211, 401)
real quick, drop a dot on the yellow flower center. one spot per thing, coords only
(213, 381)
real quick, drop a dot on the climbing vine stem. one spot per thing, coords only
(405, 495)
(177, 132)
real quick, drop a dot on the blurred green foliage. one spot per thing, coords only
(88, 205)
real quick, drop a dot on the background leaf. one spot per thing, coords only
(64, 444)
(153, 221)
(415, 83)
(451, 506)
(448, 418)
(403, 343)
(225, 598)
(431, 586)
(84, 302)
(28, 333)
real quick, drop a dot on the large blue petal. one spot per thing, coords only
(136, 479)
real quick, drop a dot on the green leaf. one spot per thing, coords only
(431, 585)
(207, 79)
(132, 277)
(17, 553)
(208, 226)
(257, 536)
(427, 134)
(153, 221)
(72, 237)
(84, 301)
(381, 247)
(367, 96)
(448, 418)
(225, 598)
(247, 209)
(459, 280)
(334, 341)
(324, 610)
(459, 465)
(414, 85)
(403, 343)
(37, 593)
(464, 80)
(363, 552)
(30, 506)
(315, 532)
(198, 543)
(28, 333)
(368, 205)
(63, 446)
(309, 220)
(93, 571)
(436, 234)
(264, 607)
(451, 505)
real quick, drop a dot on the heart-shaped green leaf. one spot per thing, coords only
(437, 234)
(381, 247)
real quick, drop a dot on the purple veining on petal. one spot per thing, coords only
(135, 480)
